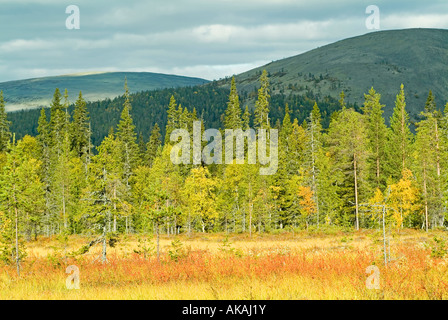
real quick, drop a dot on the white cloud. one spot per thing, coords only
(21, 45)
(211, 72)
(412, 20)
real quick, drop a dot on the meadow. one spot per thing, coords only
(305, 265)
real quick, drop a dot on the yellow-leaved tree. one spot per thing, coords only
(376, 204)
(404, 197)
(306, 202)
(199, 197)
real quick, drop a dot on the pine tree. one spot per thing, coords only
(314, 154)
(261, 113)
(80, 141)
(141, 150)
(153, 145)
(246, 118)
(424, 155)
(232, 119)
(348, 144)
(172, 119)
(5, 134)
(342, 100)
(57, 122)
(377, 133)
(128, 139)
(430, 105)
(44, 142)
(285, 145)
(106, 190)
(430, 162)
(22, 199)
(400, 138)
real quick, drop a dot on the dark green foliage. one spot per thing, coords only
(150, 107)
(5, 134)
(79, 134)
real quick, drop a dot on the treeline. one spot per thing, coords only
(149, 108)
(347, 175)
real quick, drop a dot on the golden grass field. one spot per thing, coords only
(306, 265)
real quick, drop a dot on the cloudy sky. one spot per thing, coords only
(210, 39)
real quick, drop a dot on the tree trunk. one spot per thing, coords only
(189, 223)
(63, 206)
(158, 241)
(316, 199)
(437, 148)
(17, 239)
(126, 224)
(384, 234)
(250, 211)
(403, 138)
(426, 197)
(356, 191)
(104, 253)
(115, 209)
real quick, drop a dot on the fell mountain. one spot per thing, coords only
(418, 58)
(38, 92)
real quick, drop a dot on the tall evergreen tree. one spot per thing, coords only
(400, 138)
(173, 118)
(80, 141)
(314, 154)
(246, 118)
(153, 145)
(128, 139)
(232, 119)
(348, 144)
(5, 134)
(44, 142)
(430, 105)
(425, 158)
(57, 122)
(377, 133)
(261, 112)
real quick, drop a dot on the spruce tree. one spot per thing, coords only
(426, 171)
(232, 119)
(400, 138)
(172, 122)
(153, 145)
(57, 122)
(314, 154)
(430, 105)
(377, 135)
(80, 128)
(5, 134)
(128, 139)
(348, 145)
(246, 118)
(261, 112)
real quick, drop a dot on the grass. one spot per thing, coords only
(306, 265)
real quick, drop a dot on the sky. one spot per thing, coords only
(209, 39)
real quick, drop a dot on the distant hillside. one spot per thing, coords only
(418, 58)
(38, 92)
